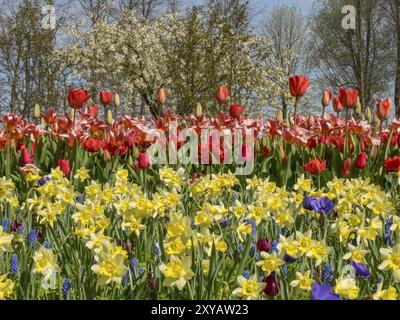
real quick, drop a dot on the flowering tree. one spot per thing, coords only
(125, 55)
(191, 56)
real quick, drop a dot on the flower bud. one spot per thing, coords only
(358, 105)
(109, 117)
(199, 110)
(135, 152)
(36, 111)
(117, 101)
(368, 115)
(161, 96)
(222, 95)
(279, 116)
(311, 120)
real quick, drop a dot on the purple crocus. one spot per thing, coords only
(323, 292)
(361, 269)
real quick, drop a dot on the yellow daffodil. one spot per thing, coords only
(347, 288)
(177, 272)
(46, 264)
(110, 265)
(303, 281)
(249, 289)
(6, 287)
(269, 263)
(5, 241)
(174, 247)
(82, 174)
(388, 294)
(392, 260)
(357, 254)
(319, 251)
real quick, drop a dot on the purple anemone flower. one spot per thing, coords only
(310, 203)
(289, 259)
(361, 269)
(322, 206)
(323, 292)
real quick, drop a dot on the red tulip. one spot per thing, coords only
(106, 97)
(298, 86)
(151, 281)
(392, 164)
(92, 110)
(266, 151)
(272, 287)
(236, 111)
(346, 167)
(26, 158)
(93, 144)
(361, 161)
(161, 96)
(77, 98)
(315, 166)
(326, 98)
(15, 225)
(144, 160)
(64, 167)
(337, 105)
(222, 95)
(312, 142)
(383, 109)
(264, 245)
(348, 98)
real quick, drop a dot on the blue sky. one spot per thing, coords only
(259, 8)
(262, 5)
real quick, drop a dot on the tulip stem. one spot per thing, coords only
(347, 135)
(74, 118)
(295, 109)
(323, 112)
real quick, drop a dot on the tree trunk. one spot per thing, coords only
(284, 107)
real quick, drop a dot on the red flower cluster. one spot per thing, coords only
(315, 166)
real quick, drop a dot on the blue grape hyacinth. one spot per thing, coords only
(14, 264)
